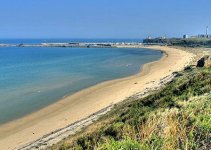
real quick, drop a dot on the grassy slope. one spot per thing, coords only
(176, 117)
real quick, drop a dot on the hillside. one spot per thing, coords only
(176, 117)
(190, 42)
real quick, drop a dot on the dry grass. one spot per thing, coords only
(177, 117)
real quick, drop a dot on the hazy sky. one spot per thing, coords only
(102, 18)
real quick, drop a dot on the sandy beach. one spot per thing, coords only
(88, 101)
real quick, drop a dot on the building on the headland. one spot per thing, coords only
(203, 36)
(185, 36)
(163, 37)
(207, 35)
(149, 37)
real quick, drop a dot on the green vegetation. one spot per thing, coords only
(176, 117)
(190, 42)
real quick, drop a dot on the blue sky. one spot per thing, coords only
(102, 18)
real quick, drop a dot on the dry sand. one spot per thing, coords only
(88, 101)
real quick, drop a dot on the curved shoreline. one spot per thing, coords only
(91, 100)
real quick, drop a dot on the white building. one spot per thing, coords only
(185, 36)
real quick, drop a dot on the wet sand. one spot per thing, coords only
(88, 101)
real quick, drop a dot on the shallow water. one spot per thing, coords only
(34, 77)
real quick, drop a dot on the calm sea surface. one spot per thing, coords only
(34, 77)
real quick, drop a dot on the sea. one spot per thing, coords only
(32, 78)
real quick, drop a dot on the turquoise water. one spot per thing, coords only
(34, 77)
(38, 41)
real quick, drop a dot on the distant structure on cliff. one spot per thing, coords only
(149, 37)
(207, 35)
(185, 36)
